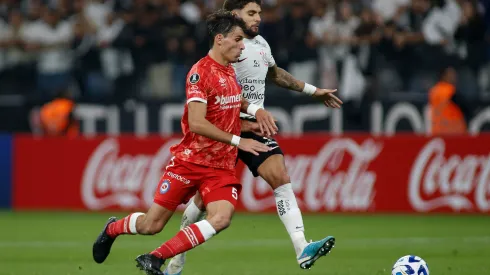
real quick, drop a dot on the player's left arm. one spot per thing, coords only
(266, 121)
(285, 80)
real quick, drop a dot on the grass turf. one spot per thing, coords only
(52, 243)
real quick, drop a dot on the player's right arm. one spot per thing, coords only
(198, 124)
(197, 97)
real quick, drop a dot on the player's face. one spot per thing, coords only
(251, 15)
(232, 45)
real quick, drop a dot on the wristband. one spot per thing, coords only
(309, 89)
(235, 140)
(252, 109)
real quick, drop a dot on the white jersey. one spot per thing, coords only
(251, 70)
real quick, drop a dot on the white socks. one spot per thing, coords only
(191, 215)
(290, 215)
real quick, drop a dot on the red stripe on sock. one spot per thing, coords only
(119, 227)
(185, 240)
(197, 233)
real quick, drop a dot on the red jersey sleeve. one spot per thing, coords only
(215, 85)
(196, 88)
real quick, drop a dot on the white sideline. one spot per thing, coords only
(223, 244)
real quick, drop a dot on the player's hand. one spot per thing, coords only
(267, 123)
(328, 98)
(252, 146)
(249, 126)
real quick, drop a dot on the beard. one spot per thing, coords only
(250, 33)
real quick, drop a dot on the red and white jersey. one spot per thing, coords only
(215, 85)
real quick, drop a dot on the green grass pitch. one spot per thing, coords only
(61, 243)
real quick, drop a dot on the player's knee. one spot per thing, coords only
(278, 178)
(220, 221)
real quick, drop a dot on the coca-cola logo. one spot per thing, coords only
(337, 177)
(127, 181)
(438, 181)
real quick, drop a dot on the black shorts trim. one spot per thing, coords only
(252, 161)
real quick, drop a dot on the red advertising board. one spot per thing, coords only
(357, 173)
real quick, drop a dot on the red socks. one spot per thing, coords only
(123, 226)
(188, 238)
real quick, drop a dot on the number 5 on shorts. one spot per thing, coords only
(234, 193)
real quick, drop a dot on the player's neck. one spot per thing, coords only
(216, 56)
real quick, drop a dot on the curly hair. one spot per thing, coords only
(230, 5)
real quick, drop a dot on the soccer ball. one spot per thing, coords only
(410, 265)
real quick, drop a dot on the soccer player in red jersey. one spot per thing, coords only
(254, 68)
(205, 159)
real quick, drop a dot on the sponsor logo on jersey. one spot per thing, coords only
(253, 96)
(194, 90)
(178, 177)
(241, 60)
(252, 81)
(223, 100)
(229, 102)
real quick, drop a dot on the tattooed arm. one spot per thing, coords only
(284, 79)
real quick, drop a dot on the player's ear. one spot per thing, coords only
(219, 39)
(235, 13)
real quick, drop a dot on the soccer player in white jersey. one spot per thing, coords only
(256, 65)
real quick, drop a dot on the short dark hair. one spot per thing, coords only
(222, 22)
(230, 5)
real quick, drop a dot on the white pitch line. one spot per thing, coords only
(223, 244)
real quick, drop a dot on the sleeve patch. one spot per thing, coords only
(194, 78)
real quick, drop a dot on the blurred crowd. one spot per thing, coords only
(106, 50)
